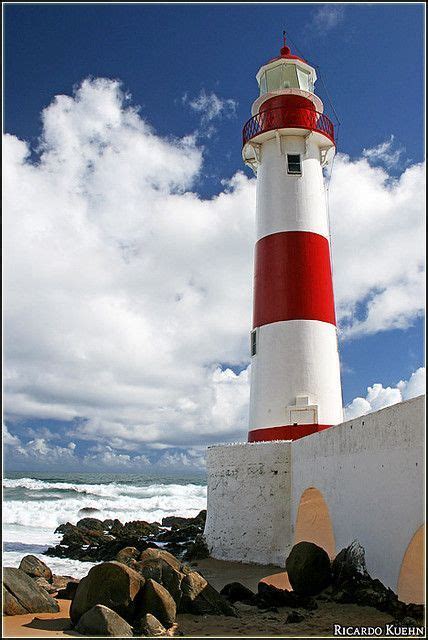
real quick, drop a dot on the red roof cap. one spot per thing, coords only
(285, 52)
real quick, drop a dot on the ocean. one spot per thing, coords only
(35, 504)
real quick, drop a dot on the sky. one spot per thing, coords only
(129, 226)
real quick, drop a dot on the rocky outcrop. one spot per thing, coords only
(102, 621)
(32, 566)
(128, 556)
(23, 595)
(308, 568)
(94, 540)
(112, 584)
(349, 564)
(270, 596)
(199, 597)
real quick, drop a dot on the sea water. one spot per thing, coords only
(35, 504)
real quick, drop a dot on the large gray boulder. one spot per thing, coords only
(102, 621)
(35, 568)
(159, 602)
(308, 568)
(112, 584)
(23, 595)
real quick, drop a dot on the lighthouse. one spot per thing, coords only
(295, 372)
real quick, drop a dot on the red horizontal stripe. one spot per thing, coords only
(288, 432)
(292, 278)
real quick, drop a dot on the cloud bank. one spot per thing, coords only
(129, 296)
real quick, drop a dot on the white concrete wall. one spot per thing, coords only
(370, 472)
(249, 502)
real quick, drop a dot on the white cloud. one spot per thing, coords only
(385, 153)
(379, 397)
(127, 293)
(378, 231)
(211, 106)
(326, 18)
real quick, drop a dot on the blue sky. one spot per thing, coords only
(191, 69)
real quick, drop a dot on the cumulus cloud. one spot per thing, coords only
(379, 396)
(377, 226)
(211, 106)
(129, 296)
(386, 153)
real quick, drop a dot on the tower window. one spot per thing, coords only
(294, 165)
(253, 343)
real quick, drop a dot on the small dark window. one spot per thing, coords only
(253, 343)
(294, 165)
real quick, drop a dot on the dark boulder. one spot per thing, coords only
(112, 584)
(159, 602)
(69, 591)
(295, 616)
(102, 621)
(237, 592)
(349, 565)
(23, 594)
(308, 568)
(270, 596)
(35, 568)
(198, 549)
(92, 524)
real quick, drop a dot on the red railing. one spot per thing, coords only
(283, 118)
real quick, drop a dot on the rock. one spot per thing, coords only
(349, 564)
(198, 549)
(86, 511)
(102, 621)
(24, 594)
(294, 616)
(200, 598)
(182, 534)
(164, 568)
(268, 595)
(308, 568)
(127, 556)
(112, 584)
(69, 590)
(92, 524)
(150, 626)
(178, 521)
(35, 568)
(64, 527)
(237, 592)
(44, 584)
(136, 529)
(60, 582)
(159, 602)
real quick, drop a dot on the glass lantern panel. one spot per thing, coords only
(274, 78)
(263, 88)
(304, 79)
(290, 77)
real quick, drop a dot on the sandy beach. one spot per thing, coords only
(251, 622)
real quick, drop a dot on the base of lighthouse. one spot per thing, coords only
(362, 479)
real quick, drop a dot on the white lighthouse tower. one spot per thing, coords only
(295, 374)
